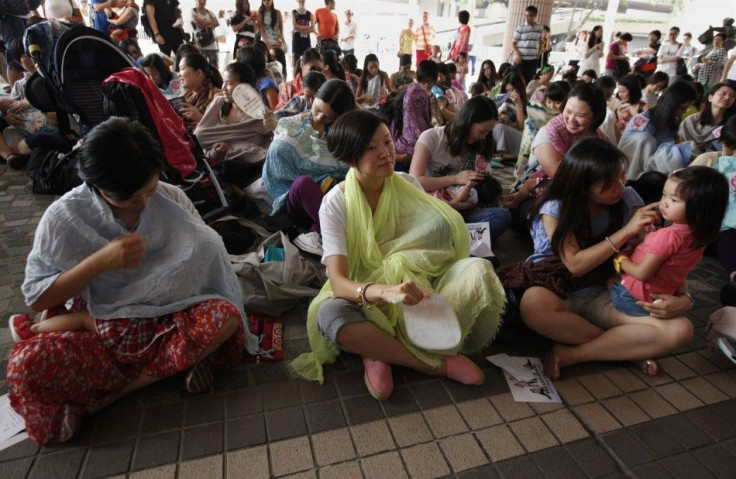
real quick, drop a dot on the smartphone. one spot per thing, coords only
(177, 102)
(438, 92)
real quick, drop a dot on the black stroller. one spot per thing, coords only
(73, 63)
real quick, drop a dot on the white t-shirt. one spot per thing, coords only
(669, 49)
(435, 141)
(351, 31)
(333, 219)
(732, 72)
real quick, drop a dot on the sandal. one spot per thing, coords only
(71, 422)
(650, 368)
(463, 370)
(200, 377)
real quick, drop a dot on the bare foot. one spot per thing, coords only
(551, 362)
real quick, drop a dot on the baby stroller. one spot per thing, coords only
(79, 69)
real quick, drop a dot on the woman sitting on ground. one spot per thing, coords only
(374, 84)
(582, 116)
(265, 84)
(298, 158)
(650, 139)
(152, 279)
(166, 80)
(309, 61)
(458, 154)
(331, 67)
(700, 128)
(576, 232)
(301, 103)
(488, 76)
(627, 104)
(229, 134)
(393, 244)
(199, 87)
(413, 113)
(513, 111)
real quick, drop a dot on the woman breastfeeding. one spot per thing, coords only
(151, 278)
(230, 134)
(576, 232)
(386, 242)
(702, 128)
(458, 154)
(298, 161)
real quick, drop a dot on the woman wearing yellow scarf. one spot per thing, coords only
(387, 242)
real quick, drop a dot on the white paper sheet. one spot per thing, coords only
(480, 240)
(526, 379)
(14, 440)
(11, 423)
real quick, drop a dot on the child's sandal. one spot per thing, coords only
(650, 368)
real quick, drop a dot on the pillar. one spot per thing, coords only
(515, 17)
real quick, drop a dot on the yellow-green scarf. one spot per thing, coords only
(411, 236)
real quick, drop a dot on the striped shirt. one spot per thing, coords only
(527, 40)
(423, 31)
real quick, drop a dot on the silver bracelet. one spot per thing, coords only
(613, 246)
(361, 292)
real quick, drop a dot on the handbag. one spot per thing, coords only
(681, 68)
(269, 332)
(274, 287)
(53, 172)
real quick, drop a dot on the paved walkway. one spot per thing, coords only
(259, 421)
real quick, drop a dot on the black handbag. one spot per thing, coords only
(53, 172)
(681, 68)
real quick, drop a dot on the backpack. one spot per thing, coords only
(130, 93)
(53, 172)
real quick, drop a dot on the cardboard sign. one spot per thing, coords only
(249, 100)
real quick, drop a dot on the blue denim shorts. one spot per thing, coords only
(625, 302)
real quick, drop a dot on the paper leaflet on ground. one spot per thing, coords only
(11, 423)
(14, 440)
(432, 324)
(480, 240)
(526, 379)
(249, 100)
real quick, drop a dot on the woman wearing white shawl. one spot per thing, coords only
(154, 277)
(387, 242)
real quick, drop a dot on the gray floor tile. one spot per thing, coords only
(109, 459)
(712, 423)
(59, 464)
(246, 432)
(205, 408)
(519, 468)
(202, 441)
(285, 423)
(16, 467)
(652, 470)
(626, 447)
(116, 424)
(684, 430)
(351, 383)
(22, 449)
(717, 460)
(484, 472)
(163, 418)
(312, 391)
(431, 394)
(324, 416)
(659, 442)
(243, 402)
(362, 409)
(158, 449)
(280, 395)
(556, 463)
(685, 466)
(401, 401)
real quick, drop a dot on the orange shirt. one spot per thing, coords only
(327, 23)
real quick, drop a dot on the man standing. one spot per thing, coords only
(406, 44)
(327, 27)
(526, 43)
(347, 43)
(670, 53)
(164, 16)
(99, 17)
(425, 39)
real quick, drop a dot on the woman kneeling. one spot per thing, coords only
(387, 242)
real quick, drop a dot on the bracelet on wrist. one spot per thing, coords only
(617, 262)
(613, 246)
(360, 296)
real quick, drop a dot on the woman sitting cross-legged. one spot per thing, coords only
(154, 281)
(387, 242)
(576, 231)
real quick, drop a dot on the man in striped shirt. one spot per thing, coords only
(525, 44)
(424, 39)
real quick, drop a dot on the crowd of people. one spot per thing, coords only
(628, 173)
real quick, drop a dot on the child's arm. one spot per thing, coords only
(644, 270)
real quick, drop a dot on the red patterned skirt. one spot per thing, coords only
(53, 369)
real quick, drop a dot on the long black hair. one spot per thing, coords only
(119, 156)
(593, 39)
(338, 95)
(588, 162)
(250, 55)
(274, 13)
(154, 60)
(245, 75)
(706, 118)
(488, 83)
(705, 192)
(363, 83)
(330, 59)
(666, 115)
(632, 84)
(476, 110)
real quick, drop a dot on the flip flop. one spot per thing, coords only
(650, 367)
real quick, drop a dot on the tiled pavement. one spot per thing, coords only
(260, 422)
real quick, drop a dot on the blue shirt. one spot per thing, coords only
(599, 224)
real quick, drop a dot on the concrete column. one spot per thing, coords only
(515, 17)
